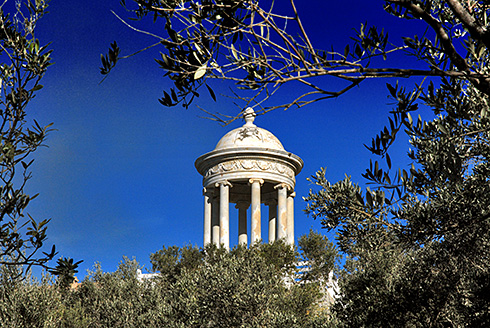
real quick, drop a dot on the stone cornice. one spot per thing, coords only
(208, 160)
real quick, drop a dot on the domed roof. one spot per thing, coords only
(249, 135)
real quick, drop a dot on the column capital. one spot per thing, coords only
(205, 191)
(283, 185)
(251, 181)
(293, 194)
(224, 183)
(242, 204)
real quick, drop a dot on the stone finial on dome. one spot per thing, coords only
(249, 117)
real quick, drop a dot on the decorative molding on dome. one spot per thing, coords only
(248, 132)
(249, 136)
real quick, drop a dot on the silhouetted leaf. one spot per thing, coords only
(211, 92)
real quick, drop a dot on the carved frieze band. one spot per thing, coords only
(247, 165)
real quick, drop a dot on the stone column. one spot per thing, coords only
(272, 220)
(215, 220)
(290, 221)
(242, 222)
(224, 213)
(255, 235)
(282, 193)
(207, 217)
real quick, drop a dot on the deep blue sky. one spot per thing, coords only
(118, 177)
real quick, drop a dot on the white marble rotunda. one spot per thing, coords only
(248, 167)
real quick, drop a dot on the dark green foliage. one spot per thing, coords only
(240, 288)
(418, 239)
(65, 271)
(208, 287)
(280, 255)
(321, 255)
(170, 261)
(117, 299)
(232, 292)
(29, 304)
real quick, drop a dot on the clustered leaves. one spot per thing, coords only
(209, 287)
(418, 239)
(23, 63)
